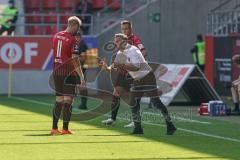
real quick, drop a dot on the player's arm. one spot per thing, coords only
(77, 63)
(104, 65)
(140, 46)
(131, 67)
(133, 64)
(144, 52)
(78, 68)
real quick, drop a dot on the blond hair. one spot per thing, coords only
(74, 20)
(120, 35)
(126, 22)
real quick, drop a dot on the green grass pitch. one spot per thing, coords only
(26, 122)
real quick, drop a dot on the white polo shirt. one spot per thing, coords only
(132, 55)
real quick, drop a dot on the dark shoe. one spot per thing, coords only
(171, 129)
(82, 107)
(137, 131)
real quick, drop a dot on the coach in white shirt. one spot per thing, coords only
(130, 58)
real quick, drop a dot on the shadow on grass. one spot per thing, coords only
(89, 142)
(217, 147)
(32, 130)
(148, 158)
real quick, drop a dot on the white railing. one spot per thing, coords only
(223, 23)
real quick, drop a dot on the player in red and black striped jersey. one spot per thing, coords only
(126, 28)
(123, 81)
(66, 67)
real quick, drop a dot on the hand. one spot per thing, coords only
(83, 84)
(103, 64)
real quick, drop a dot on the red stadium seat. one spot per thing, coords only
(35, 30)
(33, 18)
(32, 4)
(50, 4)
(98, 4)
(50, 17)
(67, 4)
(114, 4)
(65, 15)
(50, 30)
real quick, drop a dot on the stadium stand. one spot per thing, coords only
(109, 11)
(45, 13)
(96, 4)
(224, 19)
(49, 12)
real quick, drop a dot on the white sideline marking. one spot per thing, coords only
(31, 101)
(149, 123)
(180, 118)
(199, 133)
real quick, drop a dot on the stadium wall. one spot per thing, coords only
(32, 64)
(181, 21)
(167, 41)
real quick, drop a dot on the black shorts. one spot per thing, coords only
(147, 87)
(123, 80)
(65, 86)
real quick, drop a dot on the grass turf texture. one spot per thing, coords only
(25, 128)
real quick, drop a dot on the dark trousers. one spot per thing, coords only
(9, 30)
(146, 87)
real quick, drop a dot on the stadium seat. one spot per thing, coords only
(98, 4)
(50, 30)
(65, 15)
(50, 17)
(34, 18)
(67, 4)
(32, 4)
(35, 30)
(114, 4)
(50, 4)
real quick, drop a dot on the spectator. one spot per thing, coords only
(9, 19)
(84, 7)
(198, 52)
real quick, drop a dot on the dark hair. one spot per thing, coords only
(199, 37)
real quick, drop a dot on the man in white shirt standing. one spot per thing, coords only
(130, 58)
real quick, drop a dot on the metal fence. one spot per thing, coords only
(99, 20)
(57, 21)
(107, 16)
(223, 23)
